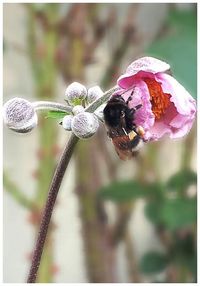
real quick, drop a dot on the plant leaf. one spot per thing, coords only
(127, 190)
(56, 114)
(178, 213)
(152, 211)
(182, 180)
(153, 262)
(122, 191)
(179, 48)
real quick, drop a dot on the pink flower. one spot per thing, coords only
(167, 107)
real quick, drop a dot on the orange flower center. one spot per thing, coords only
(159, 100)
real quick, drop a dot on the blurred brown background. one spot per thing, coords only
(114, 221)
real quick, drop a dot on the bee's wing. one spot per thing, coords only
(122, 147)
(122, 143)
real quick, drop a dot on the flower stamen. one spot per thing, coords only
(159, 100)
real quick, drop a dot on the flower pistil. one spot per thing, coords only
(160, 101)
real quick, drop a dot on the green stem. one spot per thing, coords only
(134, 273)
(16, 193)
(188, 149)
(42, 57)
(49, 105)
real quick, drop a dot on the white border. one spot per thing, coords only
(1, 146)
(1, 143)
(198, 140)
(98, 1)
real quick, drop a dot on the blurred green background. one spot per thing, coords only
(114, 221)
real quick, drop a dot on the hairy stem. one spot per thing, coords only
(93, 106)
(42, 105)
(53, 192)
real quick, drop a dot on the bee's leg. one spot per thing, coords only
(133, 110)
(137, 107)
(110, 134)
(130, 97)
(131, 113)
(140, 131)
(130, 118)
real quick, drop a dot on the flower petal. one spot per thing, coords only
(180, 132)
(145, 64)
(158, 130)
(161, 129)
(183, 101)
(143, 116)
(179, 116)
(179, 121)
(172, 123)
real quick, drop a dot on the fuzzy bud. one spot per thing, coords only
(78, 109)
(19, 115)
(94, 93)
(66, 122)
(75, 93)
(84, 125)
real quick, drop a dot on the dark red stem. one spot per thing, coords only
(51, 199)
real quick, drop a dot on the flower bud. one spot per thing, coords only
(84, 124)
(66, 122)
(19, 115)
(75, 93)
(77, 109)
(94, 93)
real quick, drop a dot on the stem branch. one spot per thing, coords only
(16, 193)
(53, 192)
(55, 185)
(42, 105)
(93, 106)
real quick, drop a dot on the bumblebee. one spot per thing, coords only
(125, 135)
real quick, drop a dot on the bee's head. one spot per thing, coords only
(114, 111)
